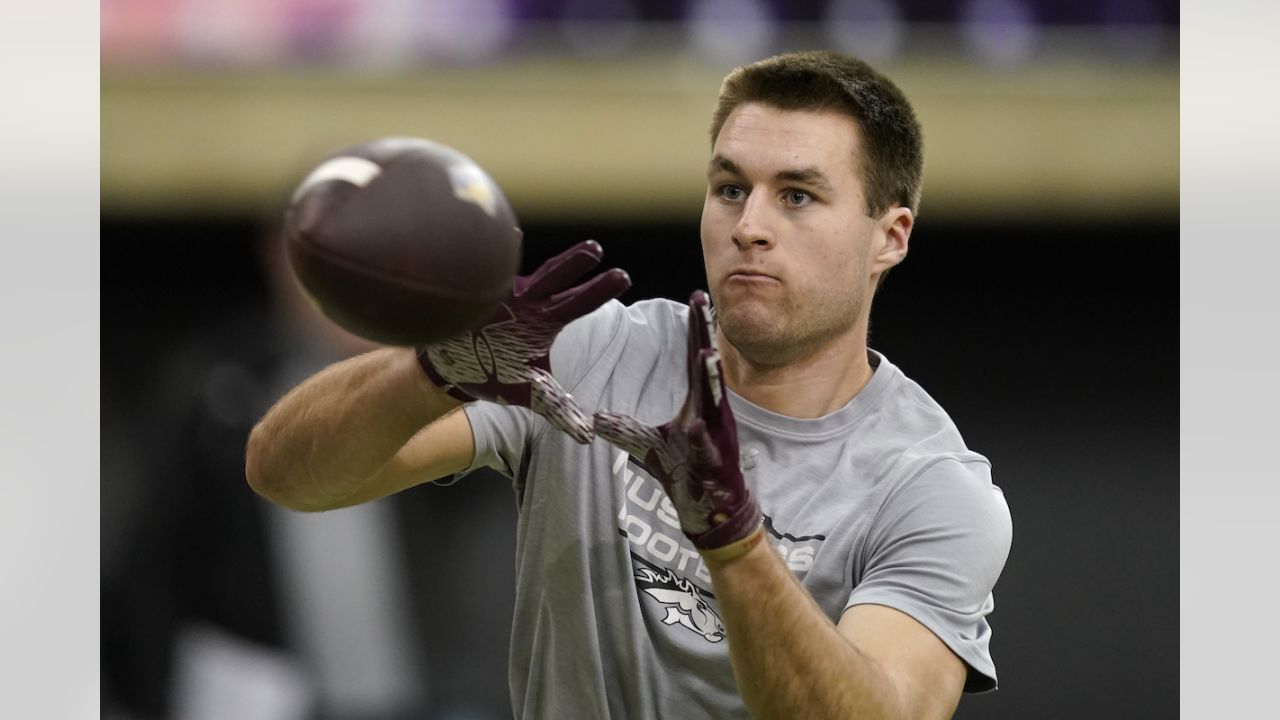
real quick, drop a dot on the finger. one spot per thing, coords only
(691, 341)
(712, 382)
(695, 394)
(581, 300)
(703, 453)
(705, 396)
(560, 271)
(702, 323)
(627, 433)
(700, 326)
(549, 400)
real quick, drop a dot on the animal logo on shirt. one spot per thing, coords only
(684, 602)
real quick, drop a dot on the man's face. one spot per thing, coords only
(785, 236)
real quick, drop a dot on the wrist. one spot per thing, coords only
(435, 378)
(730, 525)
(719, 557)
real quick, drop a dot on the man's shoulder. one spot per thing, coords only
(659, 313)
(617, 345)
(655, 325)
(912, 429)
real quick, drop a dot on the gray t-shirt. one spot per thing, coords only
(879, 502)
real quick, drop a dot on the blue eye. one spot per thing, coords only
(731, 192)
(798, 198)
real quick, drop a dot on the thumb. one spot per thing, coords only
(627, 433)
(549, 400)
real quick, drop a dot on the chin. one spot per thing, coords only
(757, 332)
(773, 334)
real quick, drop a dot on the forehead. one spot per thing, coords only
(767, 139)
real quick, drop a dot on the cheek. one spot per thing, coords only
(713, 232)
(708, 245)
(832, 274)
(833, 255)
(714, 220)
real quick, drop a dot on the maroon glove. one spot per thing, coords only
(695, 456)
(508, 358)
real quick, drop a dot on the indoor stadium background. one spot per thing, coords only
(1037, 305)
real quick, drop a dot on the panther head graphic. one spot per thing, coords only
(684, 602)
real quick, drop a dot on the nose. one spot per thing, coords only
(755, 224)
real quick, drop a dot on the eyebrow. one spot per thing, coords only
(809, 176)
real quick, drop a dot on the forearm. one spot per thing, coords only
(788, 658)
(333, 432)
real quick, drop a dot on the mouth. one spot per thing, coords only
(750, 276)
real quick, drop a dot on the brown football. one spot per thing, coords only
(403, 241)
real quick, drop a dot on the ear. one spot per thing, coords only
(893, 233)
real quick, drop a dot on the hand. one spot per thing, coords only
(695, 455)
(508, 358)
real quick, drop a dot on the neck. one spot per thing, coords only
(812, 385)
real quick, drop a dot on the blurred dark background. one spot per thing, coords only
(1038, 305)
(1052, 346)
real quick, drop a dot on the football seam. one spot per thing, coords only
(372, 271)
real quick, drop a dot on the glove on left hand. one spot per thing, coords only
(695, 455)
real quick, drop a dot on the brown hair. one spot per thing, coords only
(824, 80)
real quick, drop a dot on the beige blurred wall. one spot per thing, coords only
(627, 138)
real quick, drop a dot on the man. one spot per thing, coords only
(763, 516)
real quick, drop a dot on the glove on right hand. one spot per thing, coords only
(508, 358)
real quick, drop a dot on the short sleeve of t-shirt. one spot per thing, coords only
(935, 551)
(503, 433)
